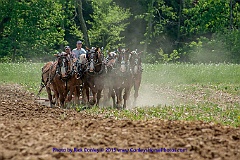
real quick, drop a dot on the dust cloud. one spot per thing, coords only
(209, 51)
(152, 95)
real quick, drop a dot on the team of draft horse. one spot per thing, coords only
(112, 76)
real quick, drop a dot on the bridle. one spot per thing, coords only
(64, 68)
(110, 61)
(123, 61)
(135, 61)
(95, 59)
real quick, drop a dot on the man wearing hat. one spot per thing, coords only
(68, 51)
(79, 50)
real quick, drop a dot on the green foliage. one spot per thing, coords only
(165, 30)
(176, 26)
(212, 19)
(230, 43)
(72, 30)
(160, 29)
(162, 57)
(173, 57)
(109, 20)
(5, 59)
(205, 50)
(190, 112)
(151, 58)
(31, 29)
(205, 17)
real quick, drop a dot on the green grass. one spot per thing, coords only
(26, 74)
(183, 78)
(174, 74)
(200, 112)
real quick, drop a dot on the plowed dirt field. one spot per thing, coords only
(29, 130)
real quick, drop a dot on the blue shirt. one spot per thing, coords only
(78, 52)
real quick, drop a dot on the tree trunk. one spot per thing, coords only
(231, 15)
(179, 23)
(2, 23)
(149, 27)
(14, 50)
(82, 23)
(62, 23)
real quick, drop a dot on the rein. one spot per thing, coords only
(94, 73)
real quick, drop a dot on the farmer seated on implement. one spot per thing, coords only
(79, 50)
(80, 54)
(70, 54)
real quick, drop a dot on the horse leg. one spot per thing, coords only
(99, 89)
(61, 94)
(98, 96)
(76, 94)
(61, 99)
(109, 93)
(66, 93)
(49, 96)
(137, 83)
(53, 88)
(136, 89)
(105, 96)
(119, 97)
(126, 96)
(85, 94)
(68, 97)
(56, 95)
(113, 97)
(94, 92)
(72, 89)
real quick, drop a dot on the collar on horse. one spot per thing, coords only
(68, 68)
(97, 62)
(94, 73)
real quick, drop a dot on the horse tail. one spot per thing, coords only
(42, 86)
(43, 83)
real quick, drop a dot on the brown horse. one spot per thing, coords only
(123, 78)
(76, 80)
(63, 74)
(110, 67)
(136, 68)
(93, 76)
(55, 76)
(48, 69)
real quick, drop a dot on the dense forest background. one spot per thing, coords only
(194, 31)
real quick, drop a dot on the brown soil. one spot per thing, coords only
(32, 131)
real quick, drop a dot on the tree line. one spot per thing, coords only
(195, 31)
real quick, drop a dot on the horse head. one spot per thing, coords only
(95, 59)
(63, 64)
(135, 61)
(123, 59)
(111, 60)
